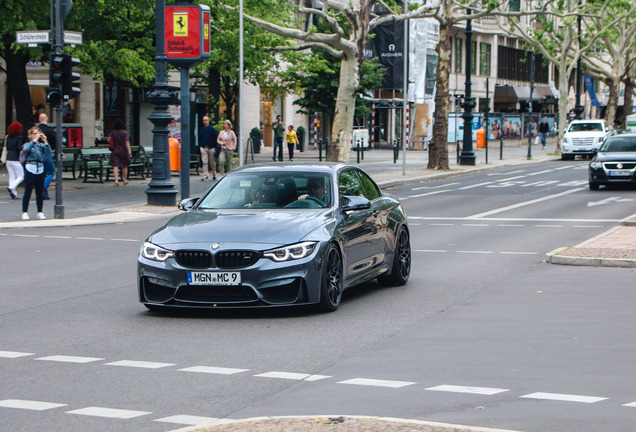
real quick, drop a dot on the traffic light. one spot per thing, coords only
(69, 77)
(56, 78)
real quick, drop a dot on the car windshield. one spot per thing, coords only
(619, 144)
(270, 191)
(586, 127)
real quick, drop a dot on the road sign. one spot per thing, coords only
(72, 38)
(32, 37)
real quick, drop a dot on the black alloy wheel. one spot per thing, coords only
(331, 284)
(401, 261)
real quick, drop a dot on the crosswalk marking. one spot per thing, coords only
(377, 383)
(109, 412)
(292, 376)
(14, 354)
(188, 420)
(140, 364)
(213, 370)
(468, 389)
(563, 397)
(69, 359)
(29, 404)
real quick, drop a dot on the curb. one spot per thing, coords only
(557, 257)
(339, 421)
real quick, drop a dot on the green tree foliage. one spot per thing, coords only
(118, 39)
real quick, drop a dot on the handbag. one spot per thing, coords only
(3, 157)
(111, 144)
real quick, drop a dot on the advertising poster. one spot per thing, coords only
(511, 127)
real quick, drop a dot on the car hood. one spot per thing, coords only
(585, 134)
(226, 227)
(615, 156)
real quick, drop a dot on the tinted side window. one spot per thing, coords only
(349, 184)
(370, 190)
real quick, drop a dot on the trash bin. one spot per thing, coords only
(481, 138)
(301, 138)
(255, 136)
(175, 154)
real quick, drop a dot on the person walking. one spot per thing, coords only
(14, 142)
(119, 145)
(292, 140)
(49, 165)
(208, 136)
(227, 141)
(37, 149)
(279, 132)
(544, 128)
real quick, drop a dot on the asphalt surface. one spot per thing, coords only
(88, 203)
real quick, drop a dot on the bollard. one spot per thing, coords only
(501, 147)
(320, 150)
(362, 151)
(396, 150)
(358, 151)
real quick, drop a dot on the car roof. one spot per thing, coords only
(588, 121)
(317, 167)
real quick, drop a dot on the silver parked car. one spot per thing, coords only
(277, 235)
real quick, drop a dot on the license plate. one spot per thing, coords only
(214, 278)
(616, 173)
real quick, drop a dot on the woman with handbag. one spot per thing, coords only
(227, 142)
(36, 151)
(13, 144)
(119, 145)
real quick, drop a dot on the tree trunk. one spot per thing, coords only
(628, 102)
(563, 102)
(342, 127)
(612, 102)
(19, 85)
(438, 147)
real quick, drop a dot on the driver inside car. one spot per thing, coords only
(315, 190)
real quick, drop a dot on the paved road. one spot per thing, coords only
(484, 334)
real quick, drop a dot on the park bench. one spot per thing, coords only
(70, 157)
(92, 163)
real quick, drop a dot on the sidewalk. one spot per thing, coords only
(97, 203)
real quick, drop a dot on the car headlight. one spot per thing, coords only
(155, 253)
(291, 252)
(596, 165)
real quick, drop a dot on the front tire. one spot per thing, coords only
(401, 261)
(593, 186)
(331, 285)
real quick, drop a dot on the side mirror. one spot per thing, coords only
(187, 203)
(353, 203)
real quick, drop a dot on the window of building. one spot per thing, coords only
(484, 59)
(458, 55)
(515, 5)
(473, 57)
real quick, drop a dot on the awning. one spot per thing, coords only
(514, 94)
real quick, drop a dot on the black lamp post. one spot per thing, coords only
(467, 156)
(578, 108)
(161, 190)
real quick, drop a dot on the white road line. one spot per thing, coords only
(69, 359)
(518, 253)
(89, 238)
(284, 375)
(510, 225)
(523, 204)
(14, 354)
(475, 252)
(475, 185)
(57, 237)
(435, 187)
(140, 364)
(548, 226)
(431, 250)
(441, 224)
(428, 193)
(631, 404)
(587, 226)
(213, 370)
(317, 377)
(29, 404)
(468, 389)
(475, 225)
(188, 420)
(109, 412)
(564, 397)
(125, 240)
(377, 383)
(26, 235)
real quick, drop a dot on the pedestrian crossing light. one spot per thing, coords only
(69, 78)
(56, 78)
